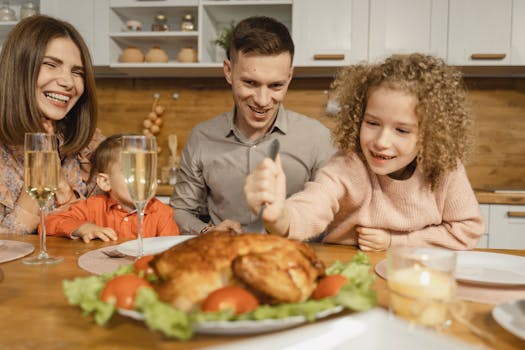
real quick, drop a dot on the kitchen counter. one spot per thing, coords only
(164, 190)
(483, 196)
(500, 197)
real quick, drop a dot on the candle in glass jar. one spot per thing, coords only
(421, 294)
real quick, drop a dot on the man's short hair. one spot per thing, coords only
(260, 35)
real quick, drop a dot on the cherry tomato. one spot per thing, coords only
(123, 289)
(329, 286)
(235, 297)
(142, 264)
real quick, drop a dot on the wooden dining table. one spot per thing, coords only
(34, 313)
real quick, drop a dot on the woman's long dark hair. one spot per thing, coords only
(20, 62)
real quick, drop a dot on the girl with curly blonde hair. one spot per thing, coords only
(403, 131)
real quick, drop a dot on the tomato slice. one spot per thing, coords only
(329, 286)
(142, 265)
(234, 297)
(123, 289)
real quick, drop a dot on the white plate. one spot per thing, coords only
(490, 268)
(372, 330)
(152, 245)
(511, 316)
(244, 326)
(483, 268)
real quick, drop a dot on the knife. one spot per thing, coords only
(274, 149)
(272, 153)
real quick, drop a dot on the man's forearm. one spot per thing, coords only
(188, 222)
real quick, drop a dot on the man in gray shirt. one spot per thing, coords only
(221, 152)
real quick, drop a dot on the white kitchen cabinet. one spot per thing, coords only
(480, 32)
(171, 41)
(164, 199)
(216, 15)
(79, 13)
(518, 33)
(406, 26)
(330, 32)
(209, 18)
(6, 26)
(507, 226)
(484, 239)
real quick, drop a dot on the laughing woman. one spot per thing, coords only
(47, 85)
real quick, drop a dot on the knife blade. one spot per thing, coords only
(274, 149)
(272, 153)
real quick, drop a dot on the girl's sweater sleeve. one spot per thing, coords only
(339, 185)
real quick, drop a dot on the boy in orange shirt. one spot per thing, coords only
(111, 215)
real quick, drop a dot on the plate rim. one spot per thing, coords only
(498, 317)
(247, 326)
(176, 238)
(378, 268)
(480, 281)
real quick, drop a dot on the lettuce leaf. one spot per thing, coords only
(355, 295)
(85, 293)
(161, 316)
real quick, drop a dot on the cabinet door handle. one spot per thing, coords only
(488, 56)
(318, 57)
(516, 214)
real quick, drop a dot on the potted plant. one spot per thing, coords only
(223, 41)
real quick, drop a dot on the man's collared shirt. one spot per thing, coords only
(217, 157)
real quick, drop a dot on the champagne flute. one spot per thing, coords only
(139, 167)
(42, 173)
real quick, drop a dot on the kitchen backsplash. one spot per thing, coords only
(498, 103)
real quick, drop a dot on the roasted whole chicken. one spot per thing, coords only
(275, 269)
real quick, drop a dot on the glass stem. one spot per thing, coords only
(140, 219)
(43, 252)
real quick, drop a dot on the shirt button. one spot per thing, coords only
(126, 219)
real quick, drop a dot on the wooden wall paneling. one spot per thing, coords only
(499, 159)
(498, 105)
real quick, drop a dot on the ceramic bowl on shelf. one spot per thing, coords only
(156, 55)
(131, 54)
(187, 55)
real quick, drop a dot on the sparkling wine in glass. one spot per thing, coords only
(139, 166)
(41, 176)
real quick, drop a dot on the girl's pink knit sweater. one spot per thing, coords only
(346, 194)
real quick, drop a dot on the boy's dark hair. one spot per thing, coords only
(260, 35)
(106, 153)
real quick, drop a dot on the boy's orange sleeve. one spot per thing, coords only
(64, 223)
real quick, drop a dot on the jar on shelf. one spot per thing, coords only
(134, 25)
(160, 23)
(188, 23)
(28, 9)
(7, 14)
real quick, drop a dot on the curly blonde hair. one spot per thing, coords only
(445, 122)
